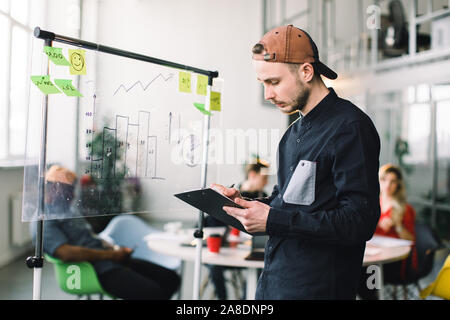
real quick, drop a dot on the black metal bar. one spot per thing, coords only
(42, 34)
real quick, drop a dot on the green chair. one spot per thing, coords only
(77, 278)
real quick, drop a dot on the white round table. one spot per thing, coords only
(235, 257)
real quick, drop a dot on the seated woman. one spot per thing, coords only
(397, 220)
(72, 240)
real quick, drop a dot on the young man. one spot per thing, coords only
(326, 203)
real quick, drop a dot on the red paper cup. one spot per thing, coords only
(214, 242)
(234, 232)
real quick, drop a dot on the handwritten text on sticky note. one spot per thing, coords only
(44, 84)
(215, 101)
(67, 87)
(202, 83)
(77, 61)
(184, 82)
(56, 55)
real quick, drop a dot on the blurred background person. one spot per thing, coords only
(73, 240)
(256, 177)
(397, 220)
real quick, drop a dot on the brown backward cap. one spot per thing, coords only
(288, 44)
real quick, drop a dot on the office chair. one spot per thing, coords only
(129, 231)
(427, 243)
(440, 287)
(88, 285)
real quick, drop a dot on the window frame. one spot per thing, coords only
(10, 159)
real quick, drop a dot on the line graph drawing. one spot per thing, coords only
(139, 82)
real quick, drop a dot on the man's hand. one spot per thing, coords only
(253, 217)
(121, 254)
(386, 224)
(231, 193)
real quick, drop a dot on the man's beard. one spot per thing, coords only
(302, 97)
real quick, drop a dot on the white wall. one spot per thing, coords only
(60, 17)
(10, 184)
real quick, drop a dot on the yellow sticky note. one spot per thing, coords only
(184, 82)
(77, 61)
(202, 83)
(215, 101)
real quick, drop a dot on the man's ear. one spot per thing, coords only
(306, 72)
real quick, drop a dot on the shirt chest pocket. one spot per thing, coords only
(301, 189)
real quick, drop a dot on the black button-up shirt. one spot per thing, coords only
(325, 205)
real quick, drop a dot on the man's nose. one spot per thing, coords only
(268, 93)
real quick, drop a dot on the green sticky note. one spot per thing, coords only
(55, 55)
(44, 84)
(184, 82)
(202, 83)
(67, 87)
(215, 101)
(201, 107)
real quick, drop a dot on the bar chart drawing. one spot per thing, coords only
(125, 150)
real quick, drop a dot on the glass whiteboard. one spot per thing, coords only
(129, 130)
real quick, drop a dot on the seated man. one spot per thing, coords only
(72, 240)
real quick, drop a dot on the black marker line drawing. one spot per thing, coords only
(191, 150)
(144, 88)
(131, 143)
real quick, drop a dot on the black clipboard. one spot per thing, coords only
(211, 202)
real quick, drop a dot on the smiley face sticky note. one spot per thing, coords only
(184, 82)
(44, 84)
(56, 55)
(67, 87)
(77, 61)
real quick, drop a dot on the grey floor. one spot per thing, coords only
(16, 281)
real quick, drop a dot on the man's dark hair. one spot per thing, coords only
(255, 167)
(258, 48)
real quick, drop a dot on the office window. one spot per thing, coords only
(417, 162)
(411, 122)
(16, 34)
(443, 151)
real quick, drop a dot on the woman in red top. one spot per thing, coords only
(397, 217)
(397, 220)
